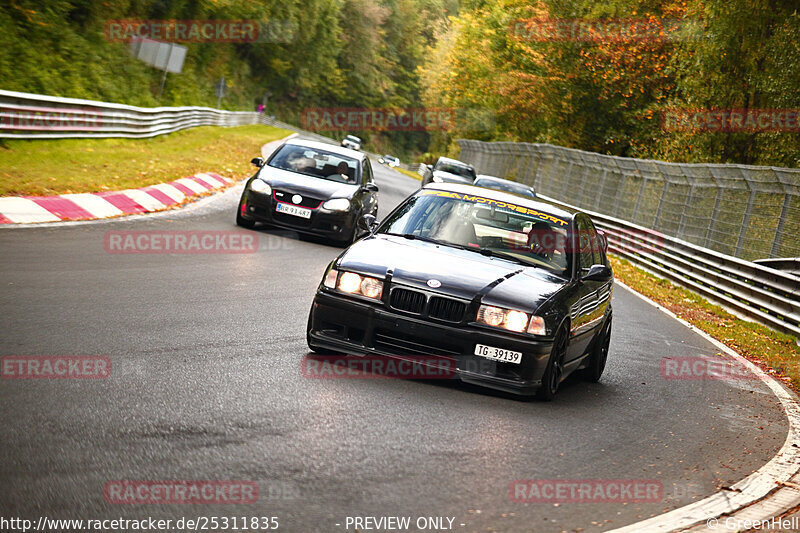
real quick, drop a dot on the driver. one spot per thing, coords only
(343, 169)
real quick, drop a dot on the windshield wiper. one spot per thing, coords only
(412, 237)
(502, 255)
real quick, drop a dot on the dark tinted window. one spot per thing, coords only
(598, 256)
(367, 171)
(583, 243)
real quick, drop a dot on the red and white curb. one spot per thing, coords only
(90, 206)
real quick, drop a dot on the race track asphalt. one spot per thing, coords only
(206, 385)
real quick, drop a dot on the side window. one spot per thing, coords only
(583, 242)
(598, 257)
(367, 172)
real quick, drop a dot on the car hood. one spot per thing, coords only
(462, 273)
(306, 185)
(451, 178)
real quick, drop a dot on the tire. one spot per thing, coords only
(241, 221)
(599, 356)
(555, 368)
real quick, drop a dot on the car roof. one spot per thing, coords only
(454, 162)
(501, 196)
(333, 148)
(499, 180)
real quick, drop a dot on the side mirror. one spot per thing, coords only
(597, 273)
(371, 187)
(257, 162)
(368, 223)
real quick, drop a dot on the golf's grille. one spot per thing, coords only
(406, 300)
(446, 309)
(307, 201)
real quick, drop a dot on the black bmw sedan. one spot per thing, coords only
(312, 188)
(514, 293)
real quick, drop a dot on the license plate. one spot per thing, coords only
(498, 354)
(301, 212)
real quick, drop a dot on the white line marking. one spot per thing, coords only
(755, 486)
(25, 210)
(96, 205)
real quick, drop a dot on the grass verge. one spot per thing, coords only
(774, 352)
(409, 173)
(45, 167)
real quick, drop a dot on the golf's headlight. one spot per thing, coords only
(437, 179)
(503, 318)
(337, 204)
(352, 283)
(260, 186)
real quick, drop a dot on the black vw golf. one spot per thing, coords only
(312, 188)
(513, 292)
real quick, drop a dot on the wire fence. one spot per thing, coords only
(744, 211)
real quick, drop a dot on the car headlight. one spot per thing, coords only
(260, 186)
(437, 179)
(352, 283)
(337, 204)
(509, 319)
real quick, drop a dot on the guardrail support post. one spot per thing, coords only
(776, 242)
(745, 222)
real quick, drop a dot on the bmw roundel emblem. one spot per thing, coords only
(296, 199)
(434, 283)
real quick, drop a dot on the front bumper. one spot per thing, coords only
(339, 225)
(343, 324)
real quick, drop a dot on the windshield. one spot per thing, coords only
(316, 163)
(516, 188)
(486, 226)
(353, 138)
(458, 170)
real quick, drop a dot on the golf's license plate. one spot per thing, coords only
(498, 354)
(294, 210)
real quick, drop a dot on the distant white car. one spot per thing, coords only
(352, 142)
(389, 160)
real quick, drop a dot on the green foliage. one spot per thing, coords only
(609, 95)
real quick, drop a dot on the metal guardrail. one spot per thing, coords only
(739, 210)
(786, 264)
(765, 294)
(753, 290)
(33, 116)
